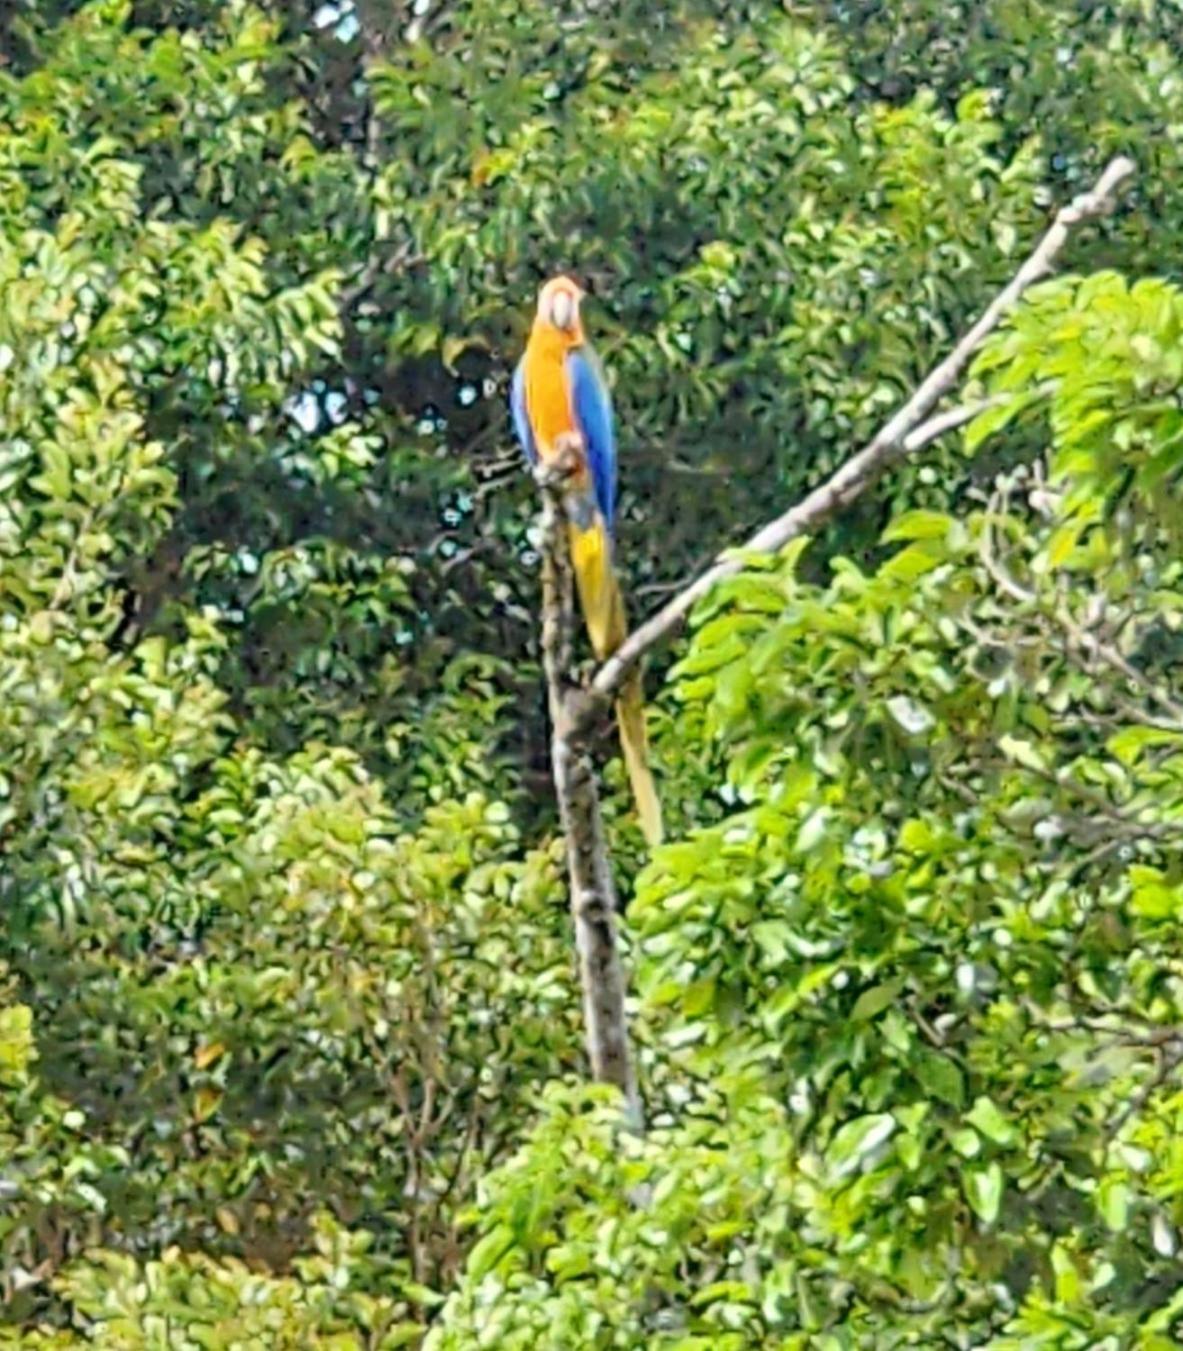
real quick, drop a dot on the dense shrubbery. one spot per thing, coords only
(287, 964)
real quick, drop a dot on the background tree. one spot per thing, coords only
(281, 891)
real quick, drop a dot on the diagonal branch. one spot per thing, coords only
(889, 444)
(952, 418)
(922, 436)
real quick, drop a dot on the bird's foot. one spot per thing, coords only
(566, 459)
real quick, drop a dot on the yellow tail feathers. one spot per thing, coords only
(630, 718)
(603, 612)
(599, 595)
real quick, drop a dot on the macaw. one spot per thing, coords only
(559, 397)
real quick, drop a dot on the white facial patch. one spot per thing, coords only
(562, 310)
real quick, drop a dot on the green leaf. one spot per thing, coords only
(813, 831)
(1068, 1284)
(918, 525)
(916, 836)
(1063, 543)
(967, 1143)
(16, 1041)
(940, 1077)
(910, 716)
(983, 1191)
(1130, 742)
(732, 1291)
(914, 562)
(488, 1251)
(873, 1001)
(1152, 897)
(993, 420)
(699, 997)
(1022, 752)
(773, 937)
(990, 1121)
(856, 1140)
(1113, 1201)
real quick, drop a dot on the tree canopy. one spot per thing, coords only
(290, 1043)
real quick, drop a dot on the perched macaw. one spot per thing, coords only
(559, 396)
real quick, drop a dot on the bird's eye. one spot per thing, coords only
(562, 310)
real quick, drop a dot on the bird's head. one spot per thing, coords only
(558, 307)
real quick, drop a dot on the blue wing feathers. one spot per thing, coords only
(521, 420)
(592, 406)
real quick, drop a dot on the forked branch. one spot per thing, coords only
(898, 437)
(593, 900)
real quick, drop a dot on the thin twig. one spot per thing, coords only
(401, 260)
(1080, 641)
(1165, 1061)
(958, 416)
(951, 419)
(1152, 1035)
(1112, 657)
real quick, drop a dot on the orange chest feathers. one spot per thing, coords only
(547, 390)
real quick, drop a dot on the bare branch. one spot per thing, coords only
(998, 574)
(950, 420)
(1163, 1042)
(890, 443)
(557, 611)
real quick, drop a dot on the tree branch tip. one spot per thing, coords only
(1116, 171)
(1101, 197)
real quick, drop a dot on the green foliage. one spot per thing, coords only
(1112, 358)
(192, 1300)
(16, 1042)
(593, 1229)
(921, 983)
(285, 945)
(283, 978)
(188, 1301)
